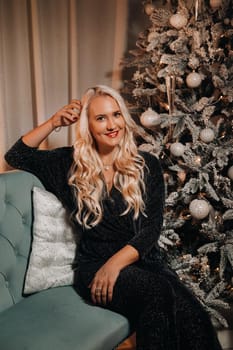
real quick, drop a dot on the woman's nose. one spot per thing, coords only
(110, 124)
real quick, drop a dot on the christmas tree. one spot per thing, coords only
(181, 92)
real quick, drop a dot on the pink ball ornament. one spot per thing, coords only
(230, 172)
(193, 80)
(215, 4)
(199, 209)
(178, 21)
(150, 118)
(207, 135)
(177, 149)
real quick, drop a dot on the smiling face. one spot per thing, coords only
(106, 123)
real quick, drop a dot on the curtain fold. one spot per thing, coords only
(50, 52)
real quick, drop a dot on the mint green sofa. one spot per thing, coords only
(55, 319)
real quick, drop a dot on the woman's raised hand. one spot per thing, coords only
(67, 115)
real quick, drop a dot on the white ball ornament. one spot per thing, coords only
(193, 80)
(207, 135)
(178, 21)
(177, 149)
(215, 4)
(150, 118)
(230, 172)
(199, 209)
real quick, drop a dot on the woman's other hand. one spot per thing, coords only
(103, 283)
(105, 278)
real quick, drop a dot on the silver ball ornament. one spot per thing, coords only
(199, 209)
(177, 149)
(193, 80)
(150, 118)
(178, 21)
(207, 135)
(230, 172)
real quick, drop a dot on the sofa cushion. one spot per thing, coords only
(53, 245)
(58, 319)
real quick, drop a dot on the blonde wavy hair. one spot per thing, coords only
(86, 173)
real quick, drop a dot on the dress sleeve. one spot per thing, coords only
(148, 226)
(50, 166)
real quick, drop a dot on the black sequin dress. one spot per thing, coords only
(164, 313)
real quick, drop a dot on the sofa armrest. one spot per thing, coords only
(15, 233)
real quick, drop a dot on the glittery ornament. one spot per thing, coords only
(207, 135)
(177, 149)
(150, 118)
(193, 80)
(178, 21)
(199, 208)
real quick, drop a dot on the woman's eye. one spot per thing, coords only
(117, 114)
(100, 117)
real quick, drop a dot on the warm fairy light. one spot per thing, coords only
(198, 160)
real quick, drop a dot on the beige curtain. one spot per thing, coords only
(50, 52)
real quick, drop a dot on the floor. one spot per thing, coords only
(130, 343)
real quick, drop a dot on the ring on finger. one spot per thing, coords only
(76, 110)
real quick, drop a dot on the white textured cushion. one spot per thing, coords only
(53, 245)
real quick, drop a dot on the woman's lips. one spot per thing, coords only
(112, 134)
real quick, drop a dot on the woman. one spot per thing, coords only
(116, 196)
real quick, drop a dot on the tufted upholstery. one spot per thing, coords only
(56, 319)
(15, 233)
